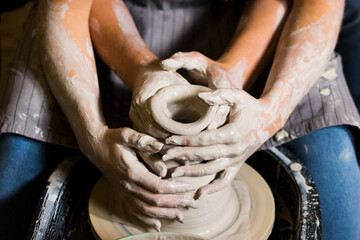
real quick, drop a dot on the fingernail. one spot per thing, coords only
(171, 64)
(195, 204)
(206, 96)
(156, 146)
(165, 157)
(175, 140)
(158, 226)
(177, 173)
(163, 173)
(170, 140)
(179, 218)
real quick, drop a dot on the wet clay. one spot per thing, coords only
(163, 236)
(253, 220)
(177, 109)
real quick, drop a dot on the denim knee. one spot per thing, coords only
(329, 155)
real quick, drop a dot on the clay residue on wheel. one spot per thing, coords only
(163, 236)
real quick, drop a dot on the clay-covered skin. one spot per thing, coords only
(150, 80)
(69, 64)
(305, 45)
(307, 40)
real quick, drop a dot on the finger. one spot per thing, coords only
(229, 96)
(161, 200)
(158, 212)
(135, 171)
(220, 117)
(209, 168)
(155, 184)
(135, 119)
(131, 138)
(198, 78)
(203, 153)
(191, 61)
(227, 134)
(156, 164)
(142, 221)
(220, 182)
(149, 221)
(144, 123)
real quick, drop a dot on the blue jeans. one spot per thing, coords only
(25, 165)
(330, 157)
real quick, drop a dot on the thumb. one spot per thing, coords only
(191, 61)
(223, 97)
(131, 138)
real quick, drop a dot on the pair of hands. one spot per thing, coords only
(220, 151)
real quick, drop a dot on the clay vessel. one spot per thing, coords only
(179, 110)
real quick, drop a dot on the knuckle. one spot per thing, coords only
(124, 133)
(195, 54)
(238, 149)
(178, 54)
(131, 174)
(157, 201)
(142, 140)
(224, 182)
(202, 171)
(157, 187)
(159, 190)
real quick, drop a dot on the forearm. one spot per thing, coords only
(69, 64)
(305, 46)
(117, 40)
(251, 47)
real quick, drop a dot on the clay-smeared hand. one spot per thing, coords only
(151, 79)
(113, 151)
(225, 149)
(205, 71)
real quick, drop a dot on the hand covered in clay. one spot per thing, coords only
(205, 71)
(225, 149)
(113, 151)
(151, 79)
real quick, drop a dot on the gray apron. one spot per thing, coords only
(27, 106)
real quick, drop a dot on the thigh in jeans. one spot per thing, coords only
(25, 165)
(329, 155)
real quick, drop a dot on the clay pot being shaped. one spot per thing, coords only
(235, 212)
(179, 110)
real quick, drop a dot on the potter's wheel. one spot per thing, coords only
(261, 214)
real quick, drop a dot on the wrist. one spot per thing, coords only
(278, 110)
(230, 75)
(138, 69)
(89, 138)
